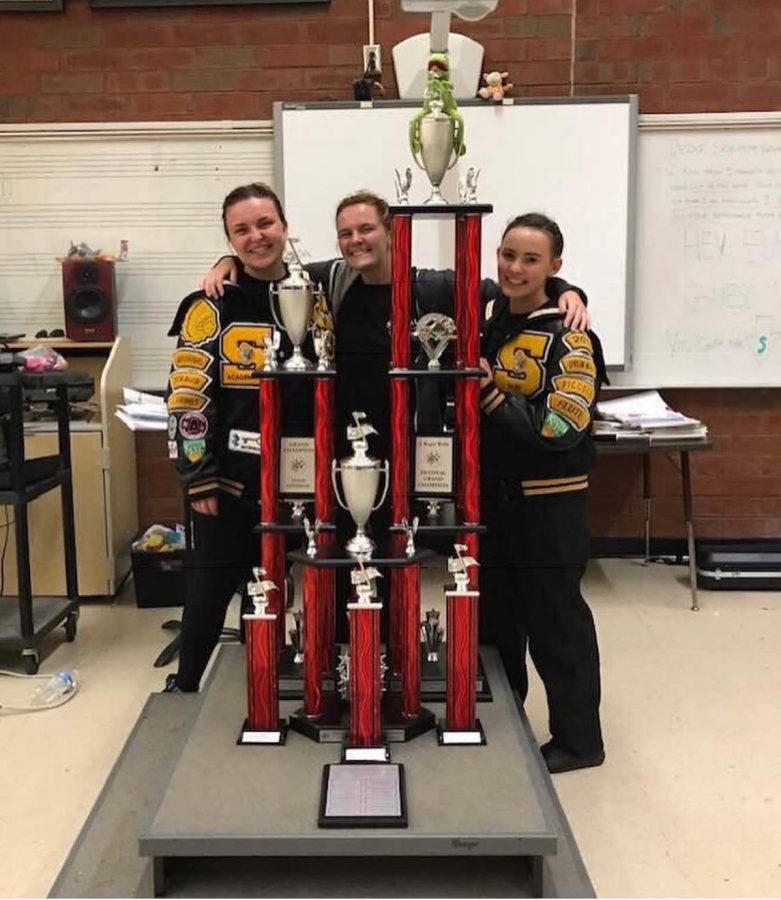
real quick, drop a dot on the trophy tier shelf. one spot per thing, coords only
(281, 372)
(424, 372)
(285, 521)
(438, 210)
(446, 521)
(339, 558)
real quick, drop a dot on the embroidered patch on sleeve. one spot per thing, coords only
(194, 450)
(578, 340)
(191, 358)
(578, 364)
(187, 400)
(570, 409)
(201, 323)
(554, 426)
(189, 379)
(572, 384)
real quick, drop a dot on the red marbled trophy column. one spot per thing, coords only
(262, 725)
(272, 544)
(401, 307)
(325, 507)
(365, 685)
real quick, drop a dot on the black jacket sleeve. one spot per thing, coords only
(191, 395)
(554, 409)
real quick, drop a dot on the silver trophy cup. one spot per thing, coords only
(437, 132)
(292, 300)
(360, 477)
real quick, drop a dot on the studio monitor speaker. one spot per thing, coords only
(90, 293)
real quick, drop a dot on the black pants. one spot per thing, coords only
(223, 552)
(533, 559)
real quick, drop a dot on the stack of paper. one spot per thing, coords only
(645, 415)
(142, 412)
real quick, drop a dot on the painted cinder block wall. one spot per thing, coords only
(233, 62)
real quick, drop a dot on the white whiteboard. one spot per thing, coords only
(708, 252)
(159, 186)
(571, 159)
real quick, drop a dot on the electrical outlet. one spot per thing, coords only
(372, 59)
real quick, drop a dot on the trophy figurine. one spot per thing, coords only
(292, 300)
(467, 186)
(297, 509)
(432, 633)
(324, 348)
(270, 350)
(311, 535)
(459, 566)
(437, 131)
(410, 530)
(434, 331)
(433, 507)
(360, 483)
(297, 637)
(402, 186)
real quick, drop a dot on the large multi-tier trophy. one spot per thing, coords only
(360, 476)
(292, 300)
(437, 131)
(434, 331)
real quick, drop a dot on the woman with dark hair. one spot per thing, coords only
(213, 424)
(537, 400)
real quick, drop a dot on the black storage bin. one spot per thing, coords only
(739, 565)
(159, 577)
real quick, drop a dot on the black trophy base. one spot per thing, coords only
(363, 795)
(457, 737)
(274, 737)
(433, 678)
(330, 727)
(291, 677)
(398, 728)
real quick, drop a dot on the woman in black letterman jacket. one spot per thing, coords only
(213, 425)
(537, 400)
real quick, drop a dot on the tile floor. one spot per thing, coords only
(687, 804)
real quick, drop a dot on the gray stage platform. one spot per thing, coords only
(242, 821)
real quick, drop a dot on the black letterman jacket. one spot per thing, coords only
(538, 408)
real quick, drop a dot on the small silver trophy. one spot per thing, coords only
(459, 566)
(297, 508)
(403, 185)
(311, 534)
(467, 186)
(360, 483)
(259, 590)
(410, 530)
(434, 331)
(297, 637)
(432, 633)
(324, 348)
(270, 350)
(292, 300)
(433, 507)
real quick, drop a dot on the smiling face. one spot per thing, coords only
(364, 241)
(525, 261)
(258, 236)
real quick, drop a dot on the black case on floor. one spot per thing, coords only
(740, 565)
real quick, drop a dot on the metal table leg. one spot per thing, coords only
(688, 517)
(647, 504)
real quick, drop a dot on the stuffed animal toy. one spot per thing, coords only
(495, 86)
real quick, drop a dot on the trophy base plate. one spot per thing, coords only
(433, 678)
(291, 677)
(398, 728)
(330, 727)
(363, 795)
(273, 737)
(461, 737)
(379, 753)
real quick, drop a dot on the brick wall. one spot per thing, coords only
(233, 62)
